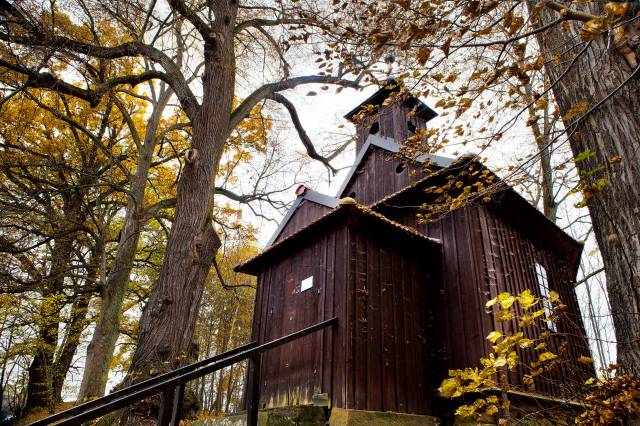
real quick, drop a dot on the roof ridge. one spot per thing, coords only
(390, 145)
(361, 209)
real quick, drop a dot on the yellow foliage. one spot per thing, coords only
(494, 336)
(592, 28)
(616, 7)
(575, 110)
(526, 299)
(505, 355)
(546, 356)
(450, 388)
(585, 360)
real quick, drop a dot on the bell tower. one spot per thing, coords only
(392, 121)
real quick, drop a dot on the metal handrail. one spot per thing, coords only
(172, 385)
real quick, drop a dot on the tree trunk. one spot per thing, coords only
(612, 132)
(103, 342)
(230, 387)
(75, 327)
(167, 324)
(40, 392)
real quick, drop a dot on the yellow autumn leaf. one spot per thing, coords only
(585, 360)
(526, 299)
(506, 300)
(491, 302)
(546, 356)
(592, 28)
(450, 387)
(505, 315)
(500, 362)
(575, 110)
(465, 411)
(616, 7)
(494, 336)
(525, 343)
(491, 410)
(492, 399)
(554, 296)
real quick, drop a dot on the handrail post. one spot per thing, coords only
(177, 405)
(166, 404)
(253, 391)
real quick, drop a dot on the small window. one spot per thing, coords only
(400, 168)
(374, 128)
(411, 127)
(543, 286)
(306, 284)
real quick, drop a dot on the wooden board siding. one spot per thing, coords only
(518, 255)
(484, 255)
(392, 122)
(378, 356)
(377, 177)
(307, 212)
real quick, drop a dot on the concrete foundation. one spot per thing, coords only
(343, 417)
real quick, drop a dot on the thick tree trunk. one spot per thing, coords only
(612, 132)
(103, 342)
(167, 325)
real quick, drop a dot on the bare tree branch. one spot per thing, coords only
(265, 91)
(304, 138)
(182, 9)
(35, 37)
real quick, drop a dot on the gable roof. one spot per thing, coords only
(355, 215)
(389, 145)
(309, 195)
(422, 110)
(511, 206)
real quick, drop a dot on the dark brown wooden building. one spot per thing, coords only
(409, 297)
(379, 278)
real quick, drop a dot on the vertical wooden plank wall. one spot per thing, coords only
(393, 123)
(484, 255)
(378, 177)
(377, 358)
(518, 254)
(388, 309)
(306, 213)
(293, 373)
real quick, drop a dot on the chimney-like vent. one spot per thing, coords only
(300, 190)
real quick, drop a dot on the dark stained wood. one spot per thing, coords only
(307, 212)
(377, 177)
(359, 363)
(392, 123)
(407, 311)
(483, 255)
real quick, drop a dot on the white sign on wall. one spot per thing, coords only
(306, 284)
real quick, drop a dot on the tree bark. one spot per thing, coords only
(40, 391)
(103, 342)
(611, 132)
(167, 324)
(64, 358)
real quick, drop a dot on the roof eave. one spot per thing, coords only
(254, 265)
(389, 145)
